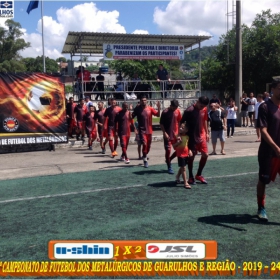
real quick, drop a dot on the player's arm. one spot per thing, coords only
(105, 116)
(157, 113)
(97, 134)
(116, 123)
(265, 135)
(75, 115)
(161, 121)
(178, 142)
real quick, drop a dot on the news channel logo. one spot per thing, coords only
(7, 9)
(87, 250)
(171, 251)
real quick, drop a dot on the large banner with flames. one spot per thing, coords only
(32, 109)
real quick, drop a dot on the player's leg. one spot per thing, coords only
(144, 141)
(126, 141)
(167, 147)
(204, 156)
(265, 170)
(191, 180)
(106, 137)
(116, 142)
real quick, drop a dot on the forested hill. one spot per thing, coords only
(192, 56)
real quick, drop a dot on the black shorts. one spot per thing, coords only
(100, 130)
(265, 166)
(111, 131)
(182, 161)
(251, 114)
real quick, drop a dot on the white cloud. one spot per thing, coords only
(206, 17)
(140, 31)
(83, 17)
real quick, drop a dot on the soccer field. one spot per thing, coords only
(133, 203)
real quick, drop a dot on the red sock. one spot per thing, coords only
(261, 201)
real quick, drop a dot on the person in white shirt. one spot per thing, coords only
(260, 99)
(251, 108)
(88, 102)
(231, 117)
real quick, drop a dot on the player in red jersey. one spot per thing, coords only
(196, 118)
(169, 124)
(99, 119)
(111, 113)
(144, 114)
(70, 106)
(79, 112)
(90, 125)
(123, 122)
(269, 149)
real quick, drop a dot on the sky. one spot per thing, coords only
(175, 17)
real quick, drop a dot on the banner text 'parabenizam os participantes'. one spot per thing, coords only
(131, 51)
(32, 109)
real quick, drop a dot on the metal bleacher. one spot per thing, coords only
(185, 91)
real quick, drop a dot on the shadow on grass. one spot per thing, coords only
(149, 171)
(117, 166)
(170, 184)
(245, 141)
(222, 220)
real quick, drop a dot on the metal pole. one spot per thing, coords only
(82, 72)
(199, 67)
(43, 45)
(238, 64)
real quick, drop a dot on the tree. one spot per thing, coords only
(10, 45)
(260, 56)
(36, 64)
(146, 69)
(61, 59)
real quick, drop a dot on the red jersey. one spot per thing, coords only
(144, 118)
(111, 113)
(124, 121)
(182, 150)
(85, 74)
(195, 119)
(99, 116)
(80, 112)
(170, 121)
(89, 121)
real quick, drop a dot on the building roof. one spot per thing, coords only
(92, 42)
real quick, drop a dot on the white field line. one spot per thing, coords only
(107, 189)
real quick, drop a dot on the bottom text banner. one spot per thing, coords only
(131, 268)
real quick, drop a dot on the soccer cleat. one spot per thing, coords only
(103, 151)
(146, 165)
(77, 137)
(122, 158)
(191, 181)
(90, 147)
(127, 161)
(201, 179)
(262, 215)
(170, 170)
(114, 154)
